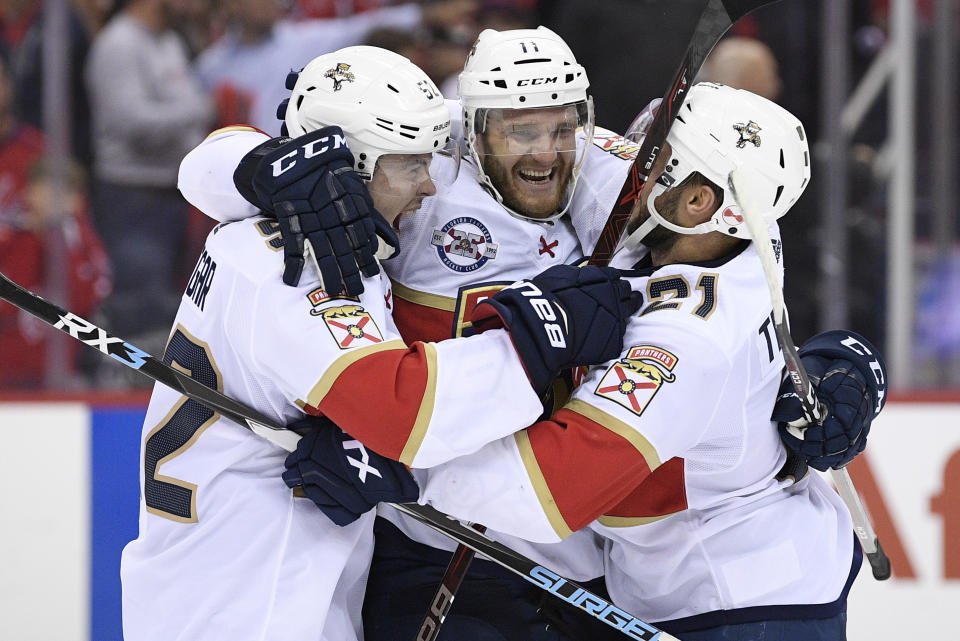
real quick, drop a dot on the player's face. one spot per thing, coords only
(529, 155)
(400, 183)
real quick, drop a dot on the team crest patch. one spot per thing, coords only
(616, 145)
(636, 378)
(320, 296)
(351, 326)
(464, 244)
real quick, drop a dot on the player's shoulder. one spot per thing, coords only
(613, 144)
(252, 246)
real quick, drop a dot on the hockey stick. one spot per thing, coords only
(538, 575)
(813, 412)
(717, 17)
(266, 427)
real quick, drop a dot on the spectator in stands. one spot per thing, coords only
(28, 211)
(744, 63)
(246, 68)
(148, 111)
(21, 26)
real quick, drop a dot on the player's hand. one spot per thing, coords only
(850, 379)
(341, 476)
(309, 184)
(564, 317)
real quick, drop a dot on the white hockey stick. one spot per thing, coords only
(814, 412)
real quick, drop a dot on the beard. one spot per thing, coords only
(661, 238)
(506, 182)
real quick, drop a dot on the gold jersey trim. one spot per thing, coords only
(435, 301)
(333, 372)
(232, 128)
(629, 521)
(540, 486)
(425, 413)
(615, 425)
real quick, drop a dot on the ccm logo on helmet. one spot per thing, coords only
(544, 312)
(309, 150)
(537, 81)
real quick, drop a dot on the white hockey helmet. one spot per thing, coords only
(718, 129)
(523, 69)
(384, 103)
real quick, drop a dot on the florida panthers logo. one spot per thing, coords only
(464, 244)
(634, 380)
(749, 132)
(339, 74)
(351, 326)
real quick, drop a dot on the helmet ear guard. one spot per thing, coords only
(720, 129)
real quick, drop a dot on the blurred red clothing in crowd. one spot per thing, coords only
(27, 212)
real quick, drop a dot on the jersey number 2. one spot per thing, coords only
(165, 496)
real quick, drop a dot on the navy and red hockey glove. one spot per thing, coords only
(563, 317)
(341, 476)
(850, 379)
(309, 185)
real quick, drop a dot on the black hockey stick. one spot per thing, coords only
(716, 18)
(266, 427)
(545, 579)
(812, 410)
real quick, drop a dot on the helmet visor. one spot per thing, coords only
(401, 181)
(531, 132)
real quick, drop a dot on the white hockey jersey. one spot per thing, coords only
(225, 551)
(670, 454)
(460, 247)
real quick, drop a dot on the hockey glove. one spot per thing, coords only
(564, 317)
(850, 379)
(341, 476)
(309, 184)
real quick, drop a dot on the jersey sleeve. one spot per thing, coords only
(205, 177)
(600, 454)
(421, 404)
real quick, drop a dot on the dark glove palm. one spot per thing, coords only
(849, 377)
(341, 476)
(564, 317)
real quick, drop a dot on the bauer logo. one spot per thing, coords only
(464, 244)
(636, 378)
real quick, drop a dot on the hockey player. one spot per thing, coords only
(463, 245)
(671, 445)
(224, 550)
(435, 291)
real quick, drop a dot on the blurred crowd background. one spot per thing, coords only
(100, 99)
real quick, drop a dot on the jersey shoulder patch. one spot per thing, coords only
(615, 144)
(636, 378)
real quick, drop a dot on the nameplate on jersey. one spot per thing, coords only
(636, 378)
(350, 326)
(464, 244)
(320, 296)
(200, 281)
(616, 145)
